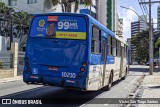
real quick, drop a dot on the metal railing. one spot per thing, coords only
(20, 62)
(6, 60)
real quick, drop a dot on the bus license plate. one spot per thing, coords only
(53, 68)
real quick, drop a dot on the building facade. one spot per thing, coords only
(158, 19)
(30, 6)
(107, 13)
(119, 29)
(136, 27)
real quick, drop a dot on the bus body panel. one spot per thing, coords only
(95, 77)
(58, 61)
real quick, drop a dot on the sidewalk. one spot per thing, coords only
(151, 88)
(11, 79)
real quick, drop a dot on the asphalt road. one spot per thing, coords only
(120, 89)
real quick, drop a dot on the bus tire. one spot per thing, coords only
(123, 78)
(108, 87)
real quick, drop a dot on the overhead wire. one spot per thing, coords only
(143, 9)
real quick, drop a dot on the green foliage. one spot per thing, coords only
(66, 4)
(4, 9)
(157, 43)
(2, 6)
(22, 18)
(1, 64)
(88, 2)
(55, 2)
(141, 41)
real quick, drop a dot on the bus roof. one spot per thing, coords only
(90, 18)
(107, 30)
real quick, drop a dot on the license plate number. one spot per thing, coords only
(68, 75)
(53, 68)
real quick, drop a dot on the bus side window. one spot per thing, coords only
(118, 48)
(114, 47)
(127, 51)
(96, 40)
(124, 51)
(109, 45)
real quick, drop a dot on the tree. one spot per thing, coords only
(22, 21)
(157, 45)
(17, 21)
(5, 16)
(4, 9)
(141, 41)
(66, 4)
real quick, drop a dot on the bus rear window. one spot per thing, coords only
(62, 27)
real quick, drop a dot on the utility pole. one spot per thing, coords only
(11, 36)
(151, 58)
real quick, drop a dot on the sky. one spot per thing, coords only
(129, 16)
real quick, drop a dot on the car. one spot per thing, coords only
(135, 63)
(147, 63)
(154, 64)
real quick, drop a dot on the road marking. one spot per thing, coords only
(133, 80)
(88, 102)
(125, 87)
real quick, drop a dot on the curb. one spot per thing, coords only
(134, 94)
(11, 79)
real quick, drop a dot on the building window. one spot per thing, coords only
(12, 2)
(32, 1)
(96, 40)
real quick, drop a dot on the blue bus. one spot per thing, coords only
(73, 51)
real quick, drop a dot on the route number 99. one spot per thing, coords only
(63, 25)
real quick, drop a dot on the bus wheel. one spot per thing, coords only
(110, 82)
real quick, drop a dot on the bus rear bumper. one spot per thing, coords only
(32, 78)
(55, 81)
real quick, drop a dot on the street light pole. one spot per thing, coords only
(135, 12)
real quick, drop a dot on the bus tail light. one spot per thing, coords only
(33, 16)
(27, 64)
(84, 64)
(28, 69)
(82, 69)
